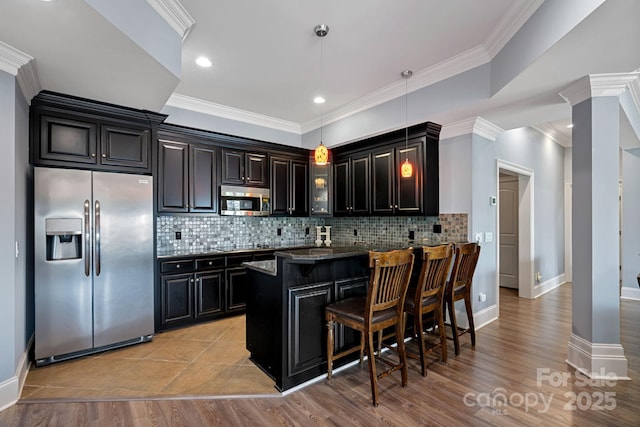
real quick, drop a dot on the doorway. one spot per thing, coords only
(519, 230)
(508, 228)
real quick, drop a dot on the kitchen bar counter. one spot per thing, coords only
(224, 250)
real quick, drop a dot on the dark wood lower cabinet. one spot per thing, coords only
(192, 290)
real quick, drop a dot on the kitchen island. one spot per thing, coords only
(286, 297)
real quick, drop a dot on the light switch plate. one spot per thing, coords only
(478, 238)
(488, 236)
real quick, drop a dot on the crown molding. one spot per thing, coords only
(634, 91)
(473, 125)
(22, 66)
(194, 104)
(11, 59)
(457, 64)
(175, 14)
(550, 132)
(509, 25)
(598, 85)
(28, 81)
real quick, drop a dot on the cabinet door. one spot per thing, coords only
(256, 170)
(346, 337)
(203, 190)
(280, 186)
(360, 185)
(408, 194)
(232, 167)
(236, 288)
(321, 181)
(126, 147)
(173, 176)
(209, 293)
(299, 188)
(307, 339)
(177, 298)
(341, 188)
(68, 140)
(383, 182)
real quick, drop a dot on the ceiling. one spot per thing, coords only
(267, 59)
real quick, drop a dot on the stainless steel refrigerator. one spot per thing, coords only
(93, 261)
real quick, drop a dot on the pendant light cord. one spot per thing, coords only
(321, 87)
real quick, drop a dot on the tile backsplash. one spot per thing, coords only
(200, 233)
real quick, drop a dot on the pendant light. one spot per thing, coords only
(321, 153)
(406, 170)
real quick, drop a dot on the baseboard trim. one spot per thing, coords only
(480, 318)
(597, 361)
(632, 294)
(11, 389)
(549, 285)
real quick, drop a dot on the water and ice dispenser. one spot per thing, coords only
(64, 238)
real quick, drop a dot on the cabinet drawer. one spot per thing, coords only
(178, 266)
(209, 263)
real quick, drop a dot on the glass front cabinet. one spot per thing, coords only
(321, 187)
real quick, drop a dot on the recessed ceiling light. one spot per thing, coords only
(570, 125)
(318, 100)
(203, 61)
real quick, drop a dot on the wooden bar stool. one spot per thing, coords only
(428, 298)
(459, 288)
(382, 308)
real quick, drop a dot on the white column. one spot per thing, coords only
(594, 345)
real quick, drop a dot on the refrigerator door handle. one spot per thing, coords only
(97, 239)
(87, 240)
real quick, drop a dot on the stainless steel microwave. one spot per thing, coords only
(244, 201)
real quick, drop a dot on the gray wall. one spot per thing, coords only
(468, 177)
(16, 304)
(630, 215)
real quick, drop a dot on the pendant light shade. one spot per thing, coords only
(321, 154)
(406, 170)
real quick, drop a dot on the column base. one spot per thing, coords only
(597, 361)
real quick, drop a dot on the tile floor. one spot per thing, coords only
(209, 359)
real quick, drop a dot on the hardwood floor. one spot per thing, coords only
(521, 357)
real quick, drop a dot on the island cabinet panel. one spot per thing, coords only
(286, 327)
(307, 334)
(351, 287)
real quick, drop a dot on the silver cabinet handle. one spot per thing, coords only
(192, 280)
(104, 156)
(177, 265)
(93, 154)
(97, 231)
(87, 239)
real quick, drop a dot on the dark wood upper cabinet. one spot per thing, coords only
(187, 180)
(352, 185)
(389, 192)
(244, 168)
(125, 147)
(289, 187)
(392, 193)
(68, 131)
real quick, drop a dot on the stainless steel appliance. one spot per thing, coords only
(93, 262)
(248, 201)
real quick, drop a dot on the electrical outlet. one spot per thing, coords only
(538, 277)
(306, 231)
(279, 231)
(488, 236)
(482, 297)
(412, 235)
(178, 235)
(355, 231)
(437, 228)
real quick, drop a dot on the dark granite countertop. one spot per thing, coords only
(269, 266)
(222, 250)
